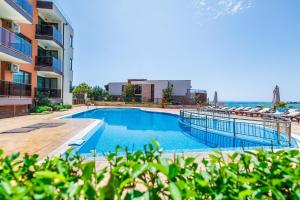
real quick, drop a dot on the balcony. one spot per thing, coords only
(13, 48)
(20, 11)
(52, 10)
(49, 93)
(48, 65)
(48, 36)
(10, 89)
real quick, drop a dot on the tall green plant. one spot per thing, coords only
(41, 99)
(128, 92)
(81, 89)
(168, 93)
(98, 93)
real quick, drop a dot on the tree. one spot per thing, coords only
(168, 93)
(128, 92)
(98, 93)
(282, 105)
(82, 89)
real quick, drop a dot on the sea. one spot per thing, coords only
(255, 104)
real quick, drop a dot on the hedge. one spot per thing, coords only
(258, 174)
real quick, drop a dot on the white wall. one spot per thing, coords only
(67, 69)
(115, 88)
(180, 87)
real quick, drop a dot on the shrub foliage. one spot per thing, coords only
(258, 174)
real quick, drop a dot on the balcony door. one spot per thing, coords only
(47, 53)
(47, 83)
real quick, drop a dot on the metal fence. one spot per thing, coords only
(272, 132)
(10, 89)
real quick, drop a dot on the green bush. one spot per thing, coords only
(42, 99)
(57, 107)
(258, 174)
(67, 106)
(40, 109)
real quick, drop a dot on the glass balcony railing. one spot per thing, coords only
(15, 42)
(25, 5)
(48, 61)
(49, 31)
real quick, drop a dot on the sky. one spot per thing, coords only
(240, 48)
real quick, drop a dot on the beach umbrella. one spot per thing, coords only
(276, 96)
(215, 102)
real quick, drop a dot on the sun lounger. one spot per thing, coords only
(252, 112)
(231, 109)
(275, 115)
(241, 111)
(237, 110)
(263, 111)
(292, 114)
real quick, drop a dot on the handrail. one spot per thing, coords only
(11, 89)
(49, 92)
(276, 131)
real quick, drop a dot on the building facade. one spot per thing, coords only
(36, 54)
(152, 90)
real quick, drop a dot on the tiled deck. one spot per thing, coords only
(41, 141)
(46, 140)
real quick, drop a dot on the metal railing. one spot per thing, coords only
(49, 61)
(49, 31)
(49, 93)
(15, 42)
(10, 89)
(270, 132)
(25, 5)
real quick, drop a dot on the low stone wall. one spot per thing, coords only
(108, 103)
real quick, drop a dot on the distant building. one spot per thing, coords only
(152, 91)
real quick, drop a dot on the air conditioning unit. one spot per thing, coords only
(14, 27)
(14, 68)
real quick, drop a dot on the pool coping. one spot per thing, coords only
(65, 146)
(98, 123)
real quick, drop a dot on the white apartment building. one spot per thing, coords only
(152, 90)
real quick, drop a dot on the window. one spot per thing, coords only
(47, 83)
(70, 87)
(138, 89)
(22, 77)
(71, 64)
(71, 41)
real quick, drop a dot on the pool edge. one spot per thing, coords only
(65, 146)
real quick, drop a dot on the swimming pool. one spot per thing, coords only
(134, 128)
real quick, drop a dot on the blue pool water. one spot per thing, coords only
(134, 128)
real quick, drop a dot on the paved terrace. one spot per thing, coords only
(45, 140)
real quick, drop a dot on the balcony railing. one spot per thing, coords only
(25, 5)
(50, 32)
(10, 89)
(48, 61)
(50, 93)
(15, 42)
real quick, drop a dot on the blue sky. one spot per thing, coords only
(240, 48)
